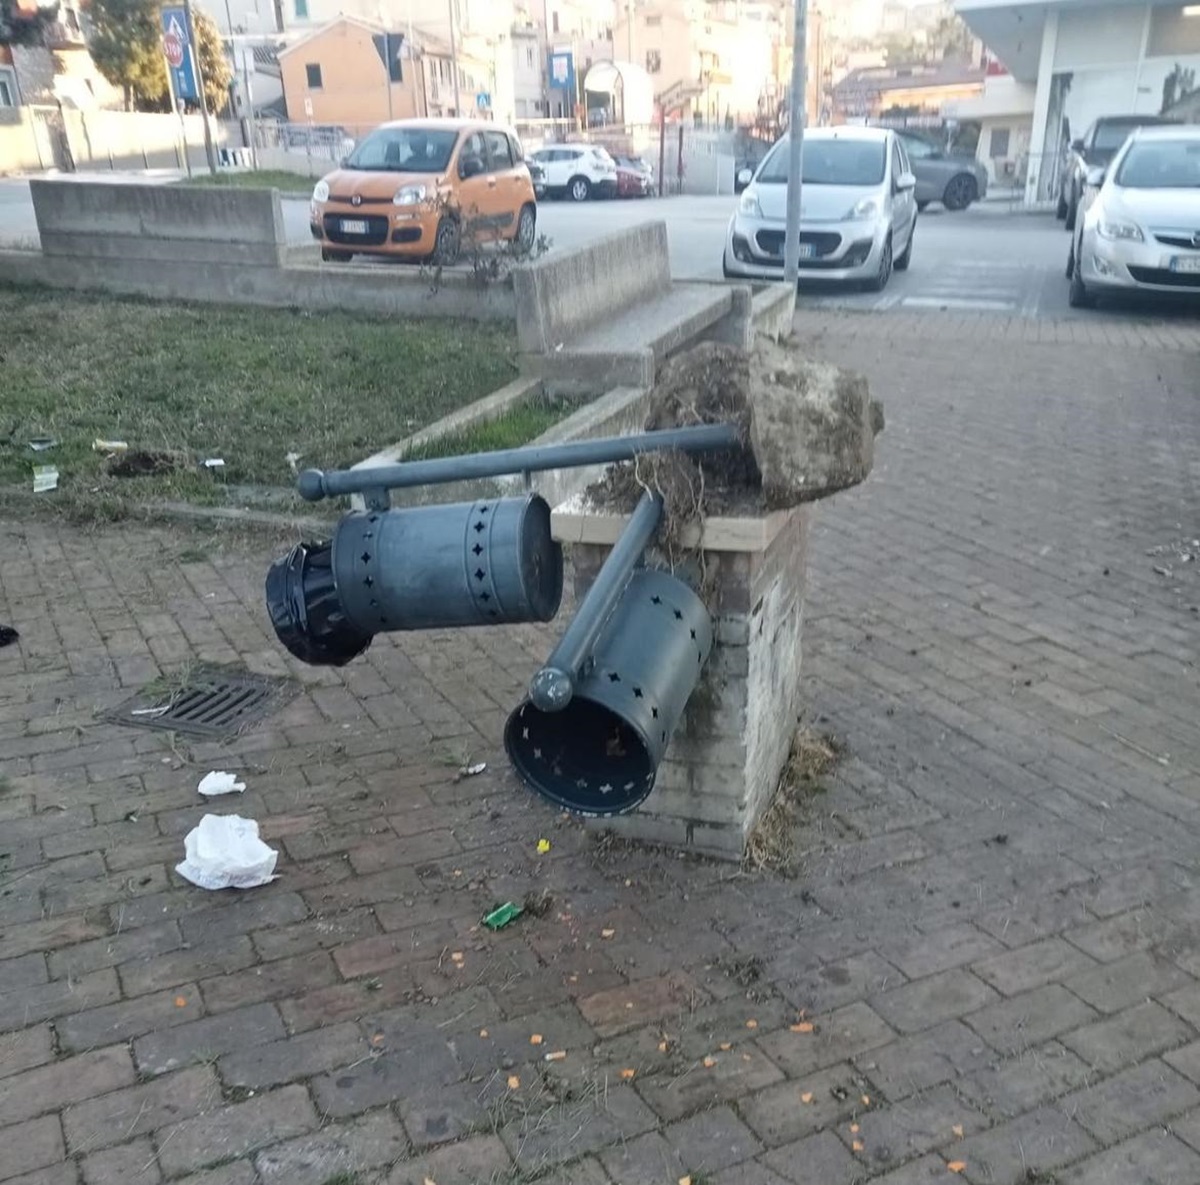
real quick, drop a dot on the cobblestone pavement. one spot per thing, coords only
(988, 965)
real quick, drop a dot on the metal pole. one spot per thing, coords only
(187, 160)
(208, 142)
(387, 70)
(553, 687)
(791, 255)
(314, 485)
(454, 60)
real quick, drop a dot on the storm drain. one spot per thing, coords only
(211, 702)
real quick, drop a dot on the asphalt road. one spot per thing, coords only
(990, 258)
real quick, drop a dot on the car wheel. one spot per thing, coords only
(905, 256)
(1078, 296)
(526, 228)
(580, 189)
(884, 274)
(921, 207)
(336, 256)
(960, 192)
(447, 244)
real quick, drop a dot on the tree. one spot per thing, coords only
(21, 28)
(126, 46)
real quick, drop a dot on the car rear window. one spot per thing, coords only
(830, 162)
(1161, 164)
(1113, 135)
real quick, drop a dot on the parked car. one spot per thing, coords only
(1139, 220)
(326, 140)
(578, 171)
(858, 216)
(415, 188)
(635, 178)
(956, 179)
(1095, 150)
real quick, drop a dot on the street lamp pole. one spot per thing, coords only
(454, 59)
(791, 256)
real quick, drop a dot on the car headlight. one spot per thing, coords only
(748, 204)
(867, 208)
(1119, 231)
(321, 191)
(410, 195)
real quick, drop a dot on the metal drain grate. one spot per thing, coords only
(211, 702)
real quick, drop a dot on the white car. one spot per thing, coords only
(578, 171)
(1140, 224)
(858, 213)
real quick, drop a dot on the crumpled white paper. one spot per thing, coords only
(224, 852)
(219, 782)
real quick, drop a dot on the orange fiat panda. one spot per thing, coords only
(415, 188)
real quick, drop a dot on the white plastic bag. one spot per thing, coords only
(224, 852)
(219, 782)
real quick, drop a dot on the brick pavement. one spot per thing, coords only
(994, 936)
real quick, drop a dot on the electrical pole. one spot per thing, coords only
(454, 60)
(208, 141)
(791, 255)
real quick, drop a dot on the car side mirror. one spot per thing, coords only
(1076, 145)
(470, 166)
(905, 182)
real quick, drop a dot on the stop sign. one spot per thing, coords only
(173, 49)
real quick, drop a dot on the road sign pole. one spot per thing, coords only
(791, 255)
(178, 107)
(209, 151)
(454, 59)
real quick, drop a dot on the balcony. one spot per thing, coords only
(64, 34)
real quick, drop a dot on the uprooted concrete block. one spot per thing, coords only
(812, 425)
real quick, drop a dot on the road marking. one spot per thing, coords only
(952, 302)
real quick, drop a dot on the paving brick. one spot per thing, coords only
(346, 1149)
(1128, 1037)
(315, 934)
(946, 948)
(23, 972)
(439, 1114)
(1023, 1082)
(840, 982)
(1049, 961)
(1153, 1158)
(31, 1145)
(138, 1110)
(780, 1114)
(1113, 986)
(135, 1162)
(892, 1134)
(294, 1057)
(128, 1019)
(1122, 935)
(1040, 1142)
(66, 1173)
(50, 1087)
(1144, 1096)
(713, 1141)
(481, 1158)
(241, 1172)
(380, 1079)
(237, 1130)
(186, 965)
(38, 937)
(274, 907)
(58, 998)
(930, 1001)
(1030, 1019)
(25, 1049)
(836, 1037)
(631, 1006)
(143, 943)
(203, 1040)
(913, 1064)
(268, 981)
(647, 1158)
(820, 1157)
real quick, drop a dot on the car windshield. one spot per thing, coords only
(1110, 136)
(1161, 164)
(404, 150)
(830, 162)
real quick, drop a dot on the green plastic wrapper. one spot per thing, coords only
(502, 915)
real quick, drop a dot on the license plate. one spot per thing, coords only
(806, 251)
(1185, 263)
(353, 226)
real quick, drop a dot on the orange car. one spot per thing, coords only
(417, 188)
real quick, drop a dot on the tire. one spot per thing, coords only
(1078, 296)
(881, 278)
(905, 257)
(922, 207)
(328, 256)
(526, 234)
(579, 189)
(447, 243)
(960, 192)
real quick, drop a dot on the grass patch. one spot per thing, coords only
(247, 385)
(279, 179)
(517, 426)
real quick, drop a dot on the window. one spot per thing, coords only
(1174, 30)
(529, 56)
(406, 150)
(499, 151)
(654, 20)
(999, 143)
(917, 148)
(8, 89)
(518, 153)
(897, 162)
(554, 21)
(312, 72)
(829, 161)
(472, 146)
(653, 61)
(1161, 164)
(301, 10)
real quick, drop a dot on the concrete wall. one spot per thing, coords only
(562, 295)
(172, 224)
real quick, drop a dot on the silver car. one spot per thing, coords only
(858, 210)
(1140, 224)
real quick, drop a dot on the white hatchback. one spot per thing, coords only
(578, 171)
